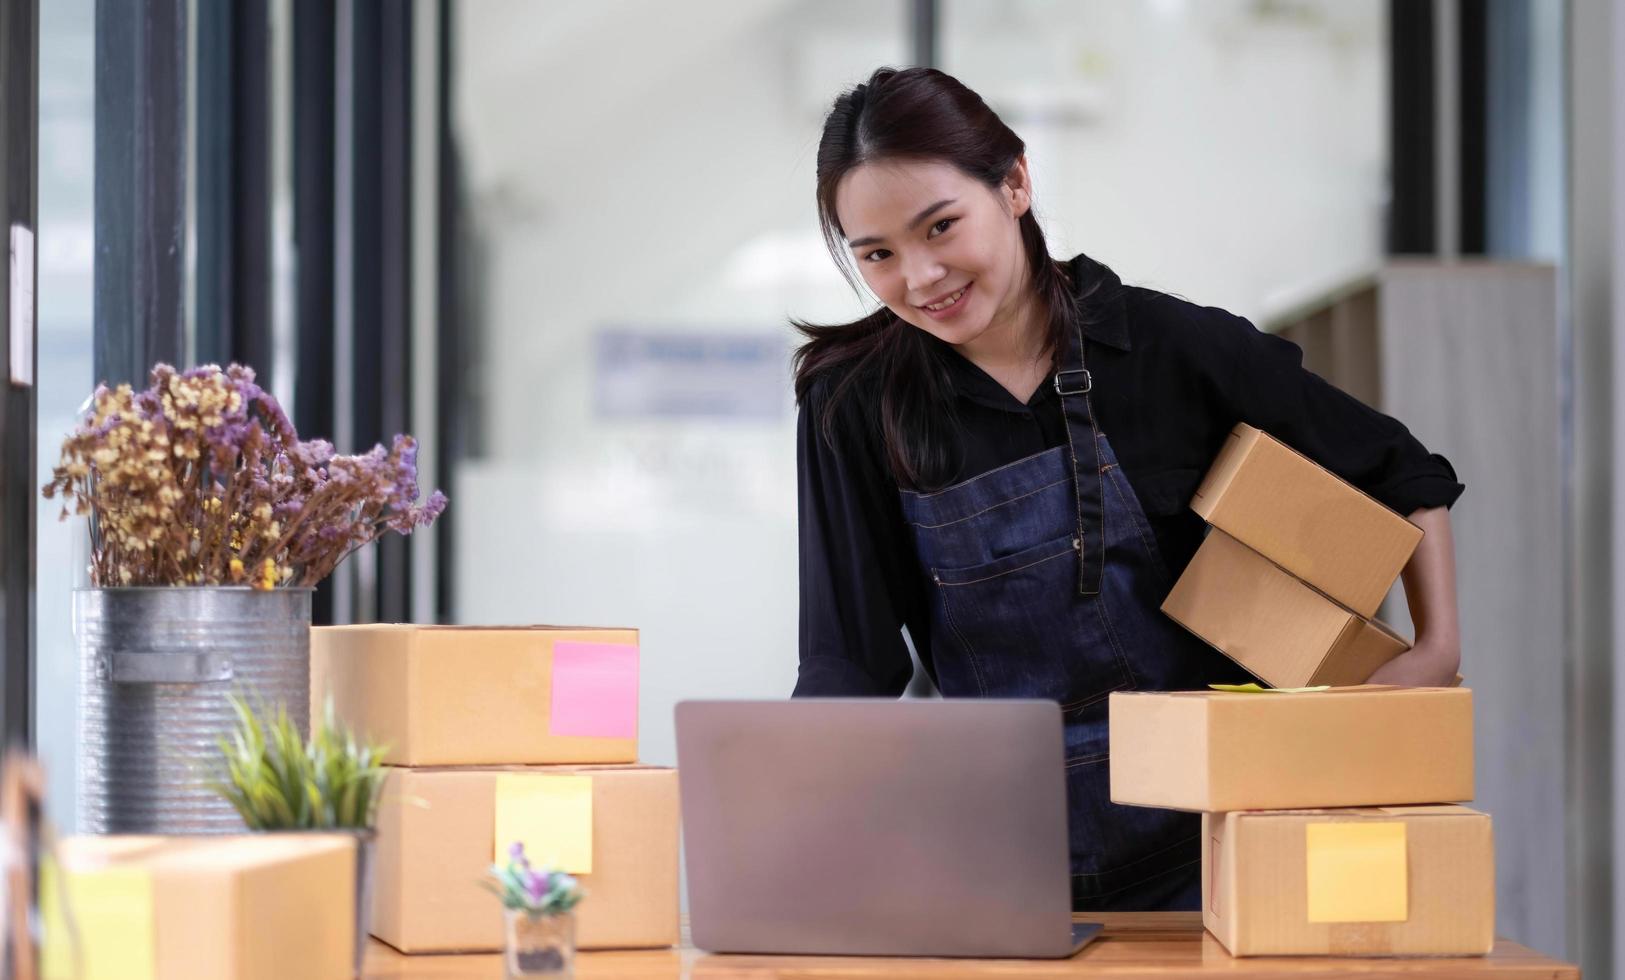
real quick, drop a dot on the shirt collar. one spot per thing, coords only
(1104, 314)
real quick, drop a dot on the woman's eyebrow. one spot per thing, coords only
(928, 212)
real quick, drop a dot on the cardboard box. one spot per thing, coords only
(251, 907)
(1367, 746)
(1303, 518)
(437, 836)
(450, 695)
(1398, 881)
(1280, 629)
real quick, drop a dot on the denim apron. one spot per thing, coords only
(1047, 584)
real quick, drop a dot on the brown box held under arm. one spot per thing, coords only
(1281, 630)
(1305, 519)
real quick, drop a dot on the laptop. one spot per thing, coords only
(877, 828)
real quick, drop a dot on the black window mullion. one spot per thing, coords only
(1411, 149)
(1473, 27)
(234, 185)
(140, 220)
(923, 29)
(251, 323)
(381, 257)
(451, 342)
(395, 300)
(313, 244)
(19, 195)
(212, 329)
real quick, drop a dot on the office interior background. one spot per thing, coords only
(560, 242)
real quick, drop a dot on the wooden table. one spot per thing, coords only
(1160, 944)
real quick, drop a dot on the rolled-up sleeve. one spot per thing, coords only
(1268, 387)
(858, 586)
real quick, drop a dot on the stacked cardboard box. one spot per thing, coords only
(497, 735)
(254, 907)
(1329, 817)
(1293, 569)
(1377, 881)
(1318, 833)
(1215, 751)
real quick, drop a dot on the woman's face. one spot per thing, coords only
(939, 248)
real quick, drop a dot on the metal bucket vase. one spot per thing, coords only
(155, 667)
(366, 864)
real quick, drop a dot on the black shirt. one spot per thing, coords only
(1170, 380)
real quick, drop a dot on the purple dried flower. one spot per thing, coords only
(312, 454)
(202, 476)
(434, 507)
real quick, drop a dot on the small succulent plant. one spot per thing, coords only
(279, 780)
(534, 891)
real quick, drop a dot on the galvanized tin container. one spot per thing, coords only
(366, 864)
(155, 667)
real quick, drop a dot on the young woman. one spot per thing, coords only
(1000, 458)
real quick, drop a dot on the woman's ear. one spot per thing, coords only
(1018, 187)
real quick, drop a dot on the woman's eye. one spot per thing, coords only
(943, 225)
(876, 255)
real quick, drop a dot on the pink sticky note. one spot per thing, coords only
(595, 690)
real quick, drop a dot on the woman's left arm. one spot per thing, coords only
(1430, 591)
(1267, 386)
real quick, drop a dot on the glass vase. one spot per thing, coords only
(540, 945)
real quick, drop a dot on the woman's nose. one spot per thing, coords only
(920, 274)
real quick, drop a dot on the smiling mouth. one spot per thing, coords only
(949, 301)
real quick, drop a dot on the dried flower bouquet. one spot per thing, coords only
(201, 480)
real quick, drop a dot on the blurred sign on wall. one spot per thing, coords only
(651, 373)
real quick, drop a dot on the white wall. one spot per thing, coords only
(1233, 155)
(1455, 335)
(1596, 228)
(674, 193)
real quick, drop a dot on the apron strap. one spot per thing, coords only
(1073, 383)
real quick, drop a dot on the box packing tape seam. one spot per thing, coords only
(1215, 852)
(1252, 687)
(1360, 939)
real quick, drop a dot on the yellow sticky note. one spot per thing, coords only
(113, 925)
(1357, 872)
(551, 814)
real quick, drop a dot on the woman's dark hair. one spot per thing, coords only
(913, 114)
